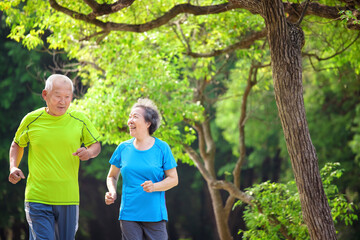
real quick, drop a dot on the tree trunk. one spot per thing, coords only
(286, 40)
(216, 200)
(221, 221)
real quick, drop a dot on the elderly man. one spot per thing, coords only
(58, 139)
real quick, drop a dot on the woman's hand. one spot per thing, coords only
(170, 181)
(110, 197)
(148, 186)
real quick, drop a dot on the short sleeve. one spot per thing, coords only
(21, 135)
(169, 160)
(89, 133)
(116, 157)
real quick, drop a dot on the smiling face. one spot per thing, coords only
(58, 99)
(137, 125)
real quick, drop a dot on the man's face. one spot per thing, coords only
(58, 99)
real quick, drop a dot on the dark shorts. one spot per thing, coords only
(143, 230)
(52, 222)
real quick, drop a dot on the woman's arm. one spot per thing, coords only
(111, 183)
(170, 181)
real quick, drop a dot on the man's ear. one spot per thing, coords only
(44, 94)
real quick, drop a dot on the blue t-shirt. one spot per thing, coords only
(137, 167)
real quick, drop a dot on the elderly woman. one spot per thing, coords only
(148, 169)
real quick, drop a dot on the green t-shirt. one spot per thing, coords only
(53, 170)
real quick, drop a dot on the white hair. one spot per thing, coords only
(49, 81)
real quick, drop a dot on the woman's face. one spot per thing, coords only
(137, 125)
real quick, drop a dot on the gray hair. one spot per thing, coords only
(50, 80)
(151, 115)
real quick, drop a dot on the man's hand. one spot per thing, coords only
(110, 197)
(82, 153)
(148, 186)
(16, 175)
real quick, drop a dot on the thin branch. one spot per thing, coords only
(102, 37)
(92, 4)
(87, 38)
(183, 35)
(303, 13)
(321, 69)
(201, 139)
(275, 222)
(251, 81)
(173, 26)
(335, 54)
(243, 44)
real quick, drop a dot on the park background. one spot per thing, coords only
(220, 99)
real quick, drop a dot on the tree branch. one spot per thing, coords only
(275, 222)
(233, 191)
(102, 33)
(105, 9)
(92, 4)
(296, 10)
(198, 163)
(243, 44)
(303, 13)
(178, 26)
(164, 19)
(331, 56)
(251, 81)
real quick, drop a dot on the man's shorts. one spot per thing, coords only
(52, 222)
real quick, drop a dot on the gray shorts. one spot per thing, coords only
(143, 230)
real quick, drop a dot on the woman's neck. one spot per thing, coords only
(144, 143)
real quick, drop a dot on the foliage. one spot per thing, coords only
(123, 66)
(263, 130)
(158, 82)
(20, 89)
(355, 143)
(281, 204)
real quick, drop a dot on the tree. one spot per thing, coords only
(97, 23)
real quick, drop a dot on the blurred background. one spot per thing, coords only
(333, 110)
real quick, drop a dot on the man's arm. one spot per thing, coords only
(92, 151)
(15, 155)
